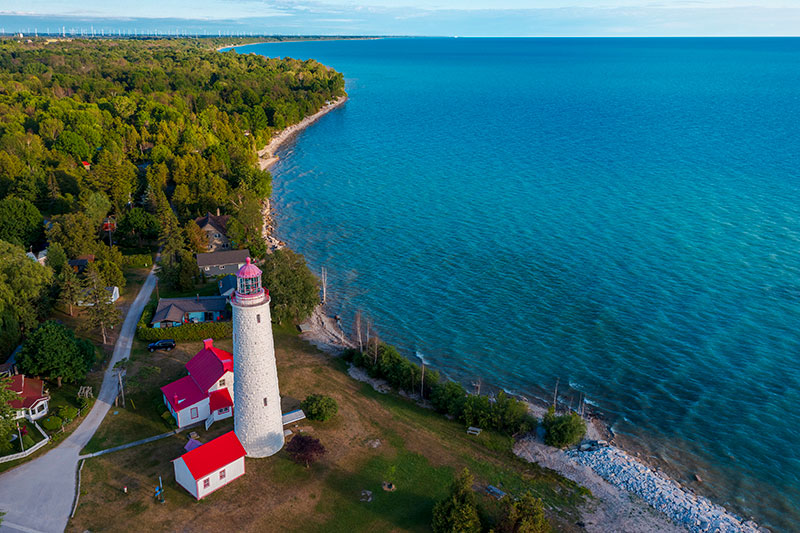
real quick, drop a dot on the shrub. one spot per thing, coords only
(319, 407)
(305, 449)
(564, 430)
(67, 413)
(27, 442)
(477, 411)
(449, 398)
(52, 423)
(510, 415)
(187, 332)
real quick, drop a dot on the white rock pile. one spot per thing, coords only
(694, 512)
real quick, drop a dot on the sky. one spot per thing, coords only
(409, 17)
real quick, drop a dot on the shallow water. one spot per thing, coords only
(620, 214)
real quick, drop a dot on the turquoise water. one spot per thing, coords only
(619, 214)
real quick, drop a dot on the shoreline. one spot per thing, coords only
(267, 157)
(630, 494)
(340, 38)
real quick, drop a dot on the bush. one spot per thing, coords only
(449, 398)
(477, 411)
(67, 413)
(52, 423)
(27, 441)
(319, 407)
(564, 430)
(305, 449)
(187, 332)
(137, 260)
(387, 363)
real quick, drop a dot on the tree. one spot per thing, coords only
(449, 397)
(75, 232)
(564, 430)
(96, 206)
(457, 513)
(56, 258)
(477, 411)
(138, 224)
(523, 516)
(305, 449)
(73, 144)
(20, 221)
(53, 351)
(101, 312)
(292, 286)
(319, 407)
(197, 238)
(24, 286)
(7, 422)
(70, 289)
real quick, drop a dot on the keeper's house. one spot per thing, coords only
(221, 263)
(206, 394)
(210, 466)
(172, 312)
(31, 397)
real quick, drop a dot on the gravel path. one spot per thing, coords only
(38, 496)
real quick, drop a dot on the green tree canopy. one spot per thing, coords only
(20, 221)
(292, 286)
(7, 422)
(563, 430)
(53, 351)
(75, 232)
(525, 515)
(457, 513)
(24, 287)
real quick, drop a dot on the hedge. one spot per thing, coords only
(187, 332)
(137, 260)
(51, 423)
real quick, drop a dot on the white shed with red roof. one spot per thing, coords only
(206, 391)
(211, 466)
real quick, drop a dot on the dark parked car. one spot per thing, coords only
(164, 344)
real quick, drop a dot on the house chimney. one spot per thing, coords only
(208, 344)
(175, 399)
(218, 211)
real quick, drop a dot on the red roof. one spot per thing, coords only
(29, 391)
(183, 393)
(214, 455)
(249, 270)
(219, 399)
(209, 365)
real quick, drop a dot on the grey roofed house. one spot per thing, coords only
(175, 311)
(221, 263)
(227, 285)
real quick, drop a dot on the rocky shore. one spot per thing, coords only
(695, 513)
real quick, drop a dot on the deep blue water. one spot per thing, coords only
(620, 214)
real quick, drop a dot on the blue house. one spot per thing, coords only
(173, 312)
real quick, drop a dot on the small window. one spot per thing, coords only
(222, 474)
(206, 269)
(222, 383)
(193, 412)
(265, 402)
(258, 319)
(206, 483)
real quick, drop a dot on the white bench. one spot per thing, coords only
(473, 431)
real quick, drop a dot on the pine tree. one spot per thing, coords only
(69, 287)
(101, 313)
(457, 513)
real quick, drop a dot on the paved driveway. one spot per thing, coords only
(38, 496)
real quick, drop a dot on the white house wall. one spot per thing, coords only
(228, 377)
(184, 477)
(185, 414)
(232, 471)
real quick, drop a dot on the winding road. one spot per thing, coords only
(37, 497)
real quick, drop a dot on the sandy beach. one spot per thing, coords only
(267, 157)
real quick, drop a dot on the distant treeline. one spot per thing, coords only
(151, 132)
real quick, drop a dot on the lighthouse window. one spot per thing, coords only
(258, 319)
(265, 402)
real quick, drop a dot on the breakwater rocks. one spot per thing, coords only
(696, 513)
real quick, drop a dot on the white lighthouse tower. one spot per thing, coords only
(257, 401)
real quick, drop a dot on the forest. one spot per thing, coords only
(147, 133)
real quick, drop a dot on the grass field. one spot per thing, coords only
(419, 452)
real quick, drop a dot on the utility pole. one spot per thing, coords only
(121, 388)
